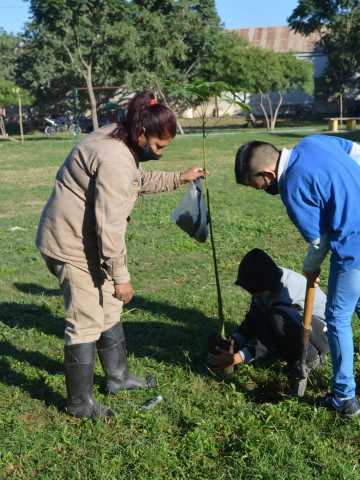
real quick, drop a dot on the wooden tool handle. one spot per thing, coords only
(303, 371)
(309, 304)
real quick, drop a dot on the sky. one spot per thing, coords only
(254, 13)
(233, 13)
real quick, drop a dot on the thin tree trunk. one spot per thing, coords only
(262, 106)
(21, 120)
(273, 123)
(216, 107)
(179, 127)
(85, 69)
(93, 106)
(341, 110)
(2, 127)
(268, 98)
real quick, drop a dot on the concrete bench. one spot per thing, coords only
(333, 123)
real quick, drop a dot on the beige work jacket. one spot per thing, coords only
(84, 221)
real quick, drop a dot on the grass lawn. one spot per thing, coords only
(246, 428)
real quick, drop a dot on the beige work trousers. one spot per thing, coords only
(90, 305)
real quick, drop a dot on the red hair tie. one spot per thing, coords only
(153, 102)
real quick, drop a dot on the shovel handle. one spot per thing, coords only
(302, 372)
(309, 304)
(308, 310)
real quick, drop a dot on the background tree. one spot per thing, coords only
(337, 22)
(282, 73)
(9, 50)
(175, 40)
(43, 69)
(253, 70)
(139, 44)
(11, 95)
(73, 41)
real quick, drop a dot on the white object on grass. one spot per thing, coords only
(192, 213)
(151, 403)
(16, 228)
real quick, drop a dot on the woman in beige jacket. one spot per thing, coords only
(81, 236)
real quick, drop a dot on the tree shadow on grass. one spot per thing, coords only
(179, 343)
(35, 359)
(158, 339)
(30, 316)
(265, 383)
(291, 135)
(191, 317)
(164, 341)
(33, 289)
(36, 388)
(351, 135)
(182, 343)
(216, 128)
(268, 392)
(271, 382)
(25, 316)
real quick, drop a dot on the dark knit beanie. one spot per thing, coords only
(258, 272)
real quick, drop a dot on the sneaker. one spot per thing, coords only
(348, 407)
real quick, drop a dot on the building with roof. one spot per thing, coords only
(285, 40)
(281, 39)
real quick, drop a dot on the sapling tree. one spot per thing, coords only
(23, 98)
(200, 94)
(11, 94)
(270, 75)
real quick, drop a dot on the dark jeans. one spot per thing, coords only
(279, 332)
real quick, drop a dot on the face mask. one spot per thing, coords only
(273, 188)
(146, 153)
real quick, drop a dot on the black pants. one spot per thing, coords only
(279, 332)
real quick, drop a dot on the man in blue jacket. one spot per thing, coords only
(319, 184)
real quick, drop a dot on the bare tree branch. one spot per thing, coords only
(189, 70)
(268, 98)
(277, 110)
(262, 106)
(72, 60)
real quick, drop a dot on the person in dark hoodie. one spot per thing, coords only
(273, 324)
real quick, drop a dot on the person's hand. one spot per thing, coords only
(124, 292)
(313, 277)
(192, 174)
(223, 359)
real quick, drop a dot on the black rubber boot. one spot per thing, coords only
(112, 352)
(79, 374)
